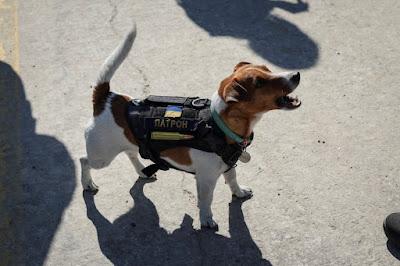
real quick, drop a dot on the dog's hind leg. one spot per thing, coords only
(86, 178)
(206, 182)
(133, 157)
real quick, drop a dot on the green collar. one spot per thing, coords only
(228, 132)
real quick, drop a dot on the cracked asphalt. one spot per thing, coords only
(324, 176)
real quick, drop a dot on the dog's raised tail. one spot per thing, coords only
(115, 59)
(110, 65)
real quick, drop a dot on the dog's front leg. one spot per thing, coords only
(205, 190)
(237, 190)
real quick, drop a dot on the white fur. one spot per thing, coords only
(217, 103)
(105, 140)
(115, 59)
(287, 76)
(255, 121)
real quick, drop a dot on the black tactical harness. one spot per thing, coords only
(162, 122)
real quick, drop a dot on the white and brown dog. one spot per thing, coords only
(242, 98)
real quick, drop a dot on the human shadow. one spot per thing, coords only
(37, 182)
(136, 238)
(272, 37)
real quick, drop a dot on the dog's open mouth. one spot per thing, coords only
(288, 102)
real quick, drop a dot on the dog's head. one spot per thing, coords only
(255, 89)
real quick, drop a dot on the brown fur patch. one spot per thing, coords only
(254, 87)
(250, 90)
(237, 121)
(99, 97)
(119, 104)
(179, 155)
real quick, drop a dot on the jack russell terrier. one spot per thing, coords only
(242, 98)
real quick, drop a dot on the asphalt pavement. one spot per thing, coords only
(324, 176)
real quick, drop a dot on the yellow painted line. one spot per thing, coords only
(9, 33)
(16, 37)
(3, 5)
(2, 52)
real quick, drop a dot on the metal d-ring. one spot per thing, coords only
(198, 102)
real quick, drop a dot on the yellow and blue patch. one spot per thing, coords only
(173, 111)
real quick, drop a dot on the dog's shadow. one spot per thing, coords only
(136, 238)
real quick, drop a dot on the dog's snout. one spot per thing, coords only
(295, 78)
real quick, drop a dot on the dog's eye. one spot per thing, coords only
(259, 82)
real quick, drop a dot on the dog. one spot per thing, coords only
(241, 100)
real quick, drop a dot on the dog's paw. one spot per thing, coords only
(243, 192)
(209, 223)
(91, 187)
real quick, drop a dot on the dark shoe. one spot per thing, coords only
(391, 226)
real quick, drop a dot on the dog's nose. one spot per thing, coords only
(295, 78)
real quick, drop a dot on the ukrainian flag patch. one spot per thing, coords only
(173, 111)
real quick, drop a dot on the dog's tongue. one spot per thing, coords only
(288, 102)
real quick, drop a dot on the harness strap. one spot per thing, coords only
(153, 168)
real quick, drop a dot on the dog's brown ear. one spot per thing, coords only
(234, 92)
(240, 64)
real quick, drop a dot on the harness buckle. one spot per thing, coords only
(136, 102)
(199, 102)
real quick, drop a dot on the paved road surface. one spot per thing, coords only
(324, 176)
